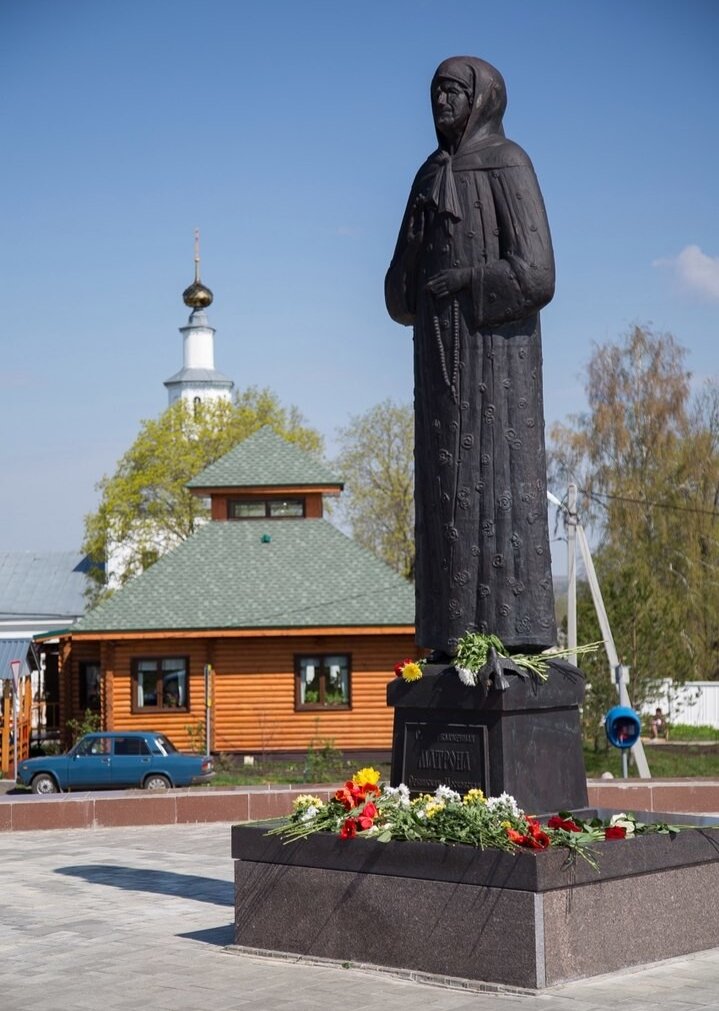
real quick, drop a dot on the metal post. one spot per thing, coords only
(571, 517)
(15, 667)
(208, 708)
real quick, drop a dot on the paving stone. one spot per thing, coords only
(119, 918)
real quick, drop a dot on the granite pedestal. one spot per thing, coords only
(525, 740)
(526, 920)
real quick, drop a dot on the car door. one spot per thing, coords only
(131, 761)
(90, 764)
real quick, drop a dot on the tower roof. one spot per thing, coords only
(265, 459)
(198, 377)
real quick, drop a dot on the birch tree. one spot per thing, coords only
(145, 507)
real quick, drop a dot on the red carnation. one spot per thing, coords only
(535, 839)
(615, 832)
(350, 795)
(538, 841)
(349, 829)
(367, 816)
(566, 823)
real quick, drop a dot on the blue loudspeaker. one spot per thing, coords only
(623, 727)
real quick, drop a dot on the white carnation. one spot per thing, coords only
(504, 805)
(446, 794)
(400, 793)
(467, 676)
(621, 821)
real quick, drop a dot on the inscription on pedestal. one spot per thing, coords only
(454, 754)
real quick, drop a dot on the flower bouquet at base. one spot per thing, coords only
(366, 808)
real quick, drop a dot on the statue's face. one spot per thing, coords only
(450, 107)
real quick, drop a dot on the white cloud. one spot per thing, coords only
(695, 271)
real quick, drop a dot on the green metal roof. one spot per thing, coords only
(226, 576)
(264, 459)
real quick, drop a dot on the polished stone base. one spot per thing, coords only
(525, 741)
(524, 920)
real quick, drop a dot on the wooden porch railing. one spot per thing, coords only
(15, 740)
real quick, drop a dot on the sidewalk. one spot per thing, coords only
(122, 918)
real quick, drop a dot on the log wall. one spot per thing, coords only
(253, 697)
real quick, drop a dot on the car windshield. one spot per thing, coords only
(164, 744)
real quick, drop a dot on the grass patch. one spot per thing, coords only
(683, 732)
(664, 763)
(323, 763)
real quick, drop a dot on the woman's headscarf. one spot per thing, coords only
(487, 94)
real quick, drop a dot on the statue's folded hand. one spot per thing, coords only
(447, 282)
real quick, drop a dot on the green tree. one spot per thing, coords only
(376, 460)
(645, 458)
(145, 507)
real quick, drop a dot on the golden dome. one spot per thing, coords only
(197, 296)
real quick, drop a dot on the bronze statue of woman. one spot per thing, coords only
(472, 268)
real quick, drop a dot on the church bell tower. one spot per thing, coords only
(198, 381)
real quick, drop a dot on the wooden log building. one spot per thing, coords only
(292, 627)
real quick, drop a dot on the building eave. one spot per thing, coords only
(265, 489)
(235, 633)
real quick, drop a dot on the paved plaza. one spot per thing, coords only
(128, 918)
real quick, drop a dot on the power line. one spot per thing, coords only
(648, 502)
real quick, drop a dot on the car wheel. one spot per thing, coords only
(157, 782)
(44, 784)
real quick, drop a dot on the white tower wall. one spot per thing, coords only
(198, 347)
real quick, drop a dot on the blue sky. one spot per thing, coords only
(289, 133)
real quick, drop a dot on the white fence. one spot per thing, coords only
(695, 703)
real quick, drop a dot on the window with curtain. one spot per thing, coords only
(160, 683)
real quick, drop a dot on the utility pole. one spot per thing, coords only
(619, 673)
(571, 524)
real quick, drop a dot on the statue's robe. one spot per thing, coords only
(483, 558)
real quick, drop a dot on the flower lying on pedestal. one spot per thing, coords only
(483, 660)
(408, 670)
(364, 807)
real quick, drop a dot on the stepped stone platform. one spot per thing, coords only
(26, 812)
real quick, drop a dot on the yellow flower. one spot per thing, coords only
(434, 807)
(306, 800)
(368, 775)
(423, 798)
(474, 796)
(505, 825)
(411, 671)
